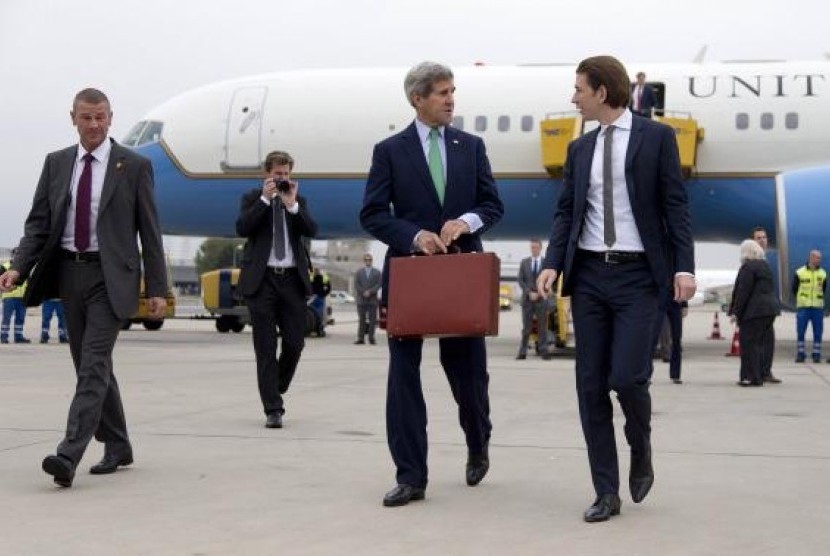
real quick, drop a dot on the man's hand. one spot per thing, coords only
(452, 230)
(684, 287)
(430, 244)
(156, 307)
(8, 280)
(533, 296)
(270, 191)
(545, 280)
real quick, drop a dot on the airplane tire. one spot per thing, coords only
(223, 324)
(238, 326)
(126, 324)
(153, 324)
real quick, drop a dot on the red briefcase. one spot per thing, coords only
(444, 295)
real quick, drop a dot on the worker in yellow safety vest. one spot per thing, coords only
(13, 304)
(809, 285)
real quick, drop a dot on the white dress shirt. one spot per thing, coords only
(472, 219)
(628, 236)
(288, 260)
(99, 172)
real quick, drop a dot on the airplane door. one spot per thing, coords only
(243, 139)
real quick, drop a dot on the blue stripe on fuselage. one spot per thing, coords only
(723, 209)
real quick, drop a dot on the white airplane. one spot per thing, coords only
(764, 157)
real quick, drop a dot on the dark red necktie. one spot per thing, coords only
(83, 202)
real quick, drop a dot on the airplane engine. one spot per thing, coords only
(802, 222)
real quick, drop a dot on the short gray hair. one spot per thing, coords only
(750, 250)
(419, 79)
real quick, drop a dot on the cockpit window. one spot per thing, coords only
(143, 132)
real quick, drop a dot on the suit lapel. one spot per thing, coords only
(454, 144)
(110, 178)
(634, 141)
(62, 186)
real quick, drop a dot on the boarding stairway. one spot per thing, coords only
(558, 129)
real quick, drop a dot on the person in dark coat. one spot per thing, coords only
(754, 307)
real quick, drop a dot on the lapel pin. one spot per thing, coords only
(455, 141)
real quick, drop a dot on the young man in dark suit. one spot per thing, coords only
(429, 186)
(91, 202)
(621, 234)
(275, 278)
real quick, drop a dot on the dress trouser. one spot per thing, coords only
(367, 316)
(614, 313)
(674, 314)
(754, 335)
(539, 309)
(465, 364)
(93, 327)
(279, 302)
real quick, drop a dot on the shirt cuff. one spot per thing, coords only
(472, 220)
(265, 200)
(293, 209)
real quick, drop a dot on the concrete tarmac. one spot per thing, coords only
(738, 470)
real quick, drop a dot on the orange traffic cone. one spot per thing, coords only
(735, 348)
(715, 335)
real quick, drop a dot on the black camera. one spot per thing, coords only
(283, 186)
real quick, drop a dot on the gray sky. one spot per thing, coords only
(142, 52)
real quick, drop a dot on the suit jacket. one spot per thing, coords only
(256, 224)
(400, 198)
(526, 278)
(370, 284)
(648, 101)
(754, 293)
(655, 190)
(126, 208)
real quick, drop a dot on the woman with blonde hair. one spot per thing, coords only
(754, 306)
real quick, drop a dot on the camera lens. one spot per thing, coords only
(283, 186)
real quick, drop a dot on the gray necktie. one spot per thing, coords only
(535, 268)
(279, 230)
(610, 236)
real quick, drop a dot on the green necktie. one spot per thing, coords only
(436, 165)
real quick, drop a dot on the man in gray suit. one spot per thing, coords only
(91, 202)
(533, 303)
(367, 282)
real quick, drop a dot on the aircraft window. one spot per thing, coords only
(481, 123)
(131, 140)
(503, 123)
(791, 120)
(151, 133)
(766, 120)
(458, 122)
(742, 120)
(527, 123)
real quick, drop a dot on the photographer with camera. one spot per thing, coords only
(274, 278)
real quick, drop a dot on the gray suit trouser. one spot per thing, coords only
(539, 309)
(367, 317)
(93, 327)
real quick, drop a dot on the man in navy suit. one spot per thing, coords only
(621, 234)
(643, 100)
(431, 186)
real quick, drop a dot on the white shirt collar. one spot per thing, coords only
(101, 153)
(623, 122)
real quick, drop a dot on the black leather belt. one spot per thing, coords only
(86, 257)
(279, 270)
(614, 257)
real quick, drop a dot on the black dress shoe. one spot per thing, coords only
(359, 342)
(110, 463)
(60, 468)
(372, 341)
(273, 421)
(773, 379)
(401, 495)
(477, 467)
(603, 508)
(521, 356)
(641, 475)
(677, 381)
